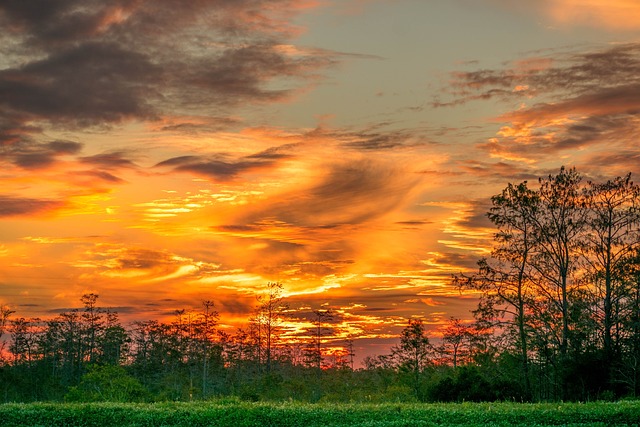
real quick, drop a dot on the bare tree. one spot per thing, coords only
(269, 318)
(314, 351)
(5, 313)
(92, 318)
(209, 321)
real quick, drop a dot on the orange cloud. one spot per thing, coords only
(610, 14)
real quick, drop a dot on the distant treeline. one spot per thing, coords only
(559, 319)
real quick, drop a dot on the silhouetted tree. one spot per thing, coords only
(5, 313)
(414, 353)
(505, 279)
(314, 350)
(613, 220)
(268, 320)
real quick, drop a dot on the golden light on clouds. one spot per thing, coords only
(323, 145)
(611, 14)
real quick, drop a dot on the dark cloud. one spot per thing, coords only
(101, 176)
(274, 153)
(463, 260)
(317, 269)
(15, 129)
(88, 84)
(18, 206)
(142, 259)
(55, 22)
(351, 192)
(498, 172)
(217, 169)
(91, 63)
(572, 73)
(137, 259)
(221, 168)
(116, 309)
(116, 159)
(235, 305)
(32, 155)
(414, 222)
(241, 228)
(571, 101)
(373, 139)
(209, 124)
(605, 164)
(377, 142)
(477, 217)
(241, 74)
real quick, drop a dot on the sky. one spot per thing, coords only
(161, 153)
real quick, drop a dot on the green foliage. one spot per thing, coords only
(244, 414)
(107, 384)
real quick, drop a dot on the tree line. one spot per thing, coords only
(558, 318)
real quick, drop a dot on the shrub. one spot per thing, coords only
(107, 383)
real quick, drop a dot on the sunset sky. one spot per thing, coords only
(162, 152)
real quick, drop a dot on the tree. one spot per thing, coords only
(23, 340)
(93, 326)
(67, 330)
(5, 313)
(613, 220)
(561, 275)
(558, 225)
(114, 342)
(314, 352)
(269, 318)
(628, 312)
(414, 353)
(209, 321)
(456, 339)
(505, 278)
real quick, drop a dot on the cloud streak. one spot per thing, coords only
(11, 206)
(568, 101)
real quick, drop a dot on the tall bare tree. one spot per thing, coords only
(5, 313)
(269, 318)
(313, 351)
(208, 323)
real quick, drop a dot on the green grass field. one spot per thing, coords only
(240, 414)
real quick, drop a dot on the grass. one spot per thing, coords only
(244, 414)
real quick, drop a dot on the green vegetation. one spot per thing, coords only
(240, 414)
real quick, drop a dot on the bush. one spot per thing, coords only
(107, 383)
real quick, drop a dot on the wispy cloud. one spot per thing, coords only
(614, 15)
(38, 155)
(566, 101)
(611, 15)
(220, 168)
(18, 206)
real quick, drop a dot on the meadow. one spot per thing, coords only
(247, 414)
